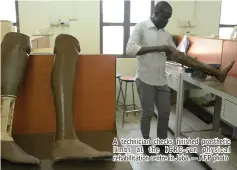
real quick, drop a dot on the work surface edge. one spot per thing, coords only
(214, 86)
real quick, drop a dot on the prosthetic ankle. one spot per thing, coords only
(15, 49)
(8, 103)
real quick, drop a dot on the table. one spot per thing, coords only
(225, 92)
(190, 122)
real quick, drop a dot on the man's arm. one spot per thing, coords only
(134, 48)
(173, 53)
(145, 50)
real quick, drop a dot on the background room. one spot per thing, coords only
(103, 28)
(95, 28)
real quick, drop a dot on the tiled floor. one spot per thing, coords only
(132, 129)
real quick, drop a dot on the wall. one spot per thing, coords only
(36, 14)
(200, 13)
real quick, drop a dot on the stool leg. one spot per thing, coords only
(125, 107)
(134, 106)
(122, 91)
(120, 82)
(125, 103)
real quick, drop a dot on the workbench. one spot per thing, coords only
(225, 93)
(190, 122)
(225, 96)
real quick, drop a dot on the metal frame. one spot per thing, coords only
(17, 23)
(126, 25)
(226, 25)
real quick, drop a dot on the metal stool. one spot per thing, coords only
(124, 109)
(118, 75)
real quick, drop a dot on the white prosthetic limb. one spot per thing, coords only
(7, 111)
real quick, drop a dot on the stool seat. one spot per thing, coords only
(128, 78)
(118, 75)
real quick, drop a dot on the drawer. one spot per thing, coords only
(230, 112)
(173, 82)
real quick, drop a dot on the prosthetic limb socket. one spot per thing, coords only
(15, 50)
(66, 144)
(196, 64)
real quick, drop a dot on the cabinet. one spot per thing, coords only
(173, 76)
(173, 82)
(229, 112)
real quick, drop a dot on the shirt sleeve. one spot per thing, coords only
(133, 46)
(171, 42)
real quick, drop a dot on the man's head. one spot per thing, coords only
(162, 14)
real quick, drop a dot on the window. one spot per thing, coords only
(113, 39)
(118, 19)
(228, 18)
(9, 11)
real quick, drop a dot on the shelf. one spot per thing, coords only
(172, 124)
(209, 109)
(190, 122)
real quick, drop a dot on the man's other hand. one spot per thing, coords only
(173, 50)
(172, 53)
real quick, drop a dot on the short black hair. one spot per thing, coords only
(161, 5)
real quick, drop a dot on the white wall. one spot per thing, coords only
(203, 14)
(36, 15)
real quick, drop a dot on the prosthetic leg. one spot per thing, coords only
(66, 144)
(194, 63)
(15, 49)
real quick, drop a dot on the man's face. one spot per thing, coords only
(162, 16)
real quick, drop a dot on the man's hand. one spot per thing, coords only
(173, 50)
(172, 53)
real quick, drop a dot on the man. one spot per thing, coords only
(150, 43)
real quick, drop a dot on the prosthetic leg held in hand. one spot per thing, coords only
(194, 63)
(66, 144)
(15, 50)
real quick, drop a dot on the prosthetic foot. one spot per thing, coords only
(14, 55)
(66, 145)
(194, 63)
